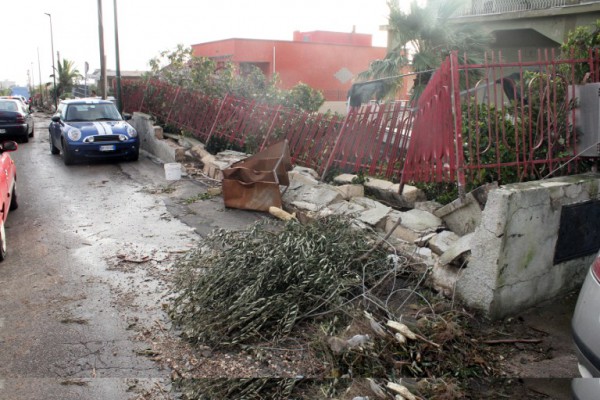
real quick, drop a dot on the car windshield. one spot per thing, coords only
(92, 112)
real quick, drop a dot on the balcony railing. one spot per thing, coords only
(484, 7)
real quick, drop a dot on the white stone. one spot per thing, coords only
(346, 208)
(422, 240)
(420, 221)
(305, 206)
(457, 249)
(375, 216)
(320, 195)
(379, 184)
(350, 191)
(442, 242)
(344, 179)
(366, 202)
(443, 279)
(298, 178)
(305, 171)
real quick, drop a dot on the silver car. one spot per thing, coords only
(586, 323)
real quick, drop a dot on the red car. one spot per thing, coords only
(8, 191)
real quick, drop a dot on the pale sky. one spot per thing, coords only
(146, 27)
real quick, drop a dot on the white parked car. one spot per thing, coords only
(586, 324)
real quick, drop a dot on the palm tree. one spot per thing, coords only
(67, 74)
(427, 34)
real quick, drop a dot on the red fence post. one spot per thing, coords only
(457, 116)
(335, 146)
(262, 146)
(212, 128)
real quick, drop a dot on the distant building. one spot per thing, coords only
(326, 61)
(111, 77)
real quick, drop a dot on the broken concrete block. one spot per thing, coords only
(158, 132)
(319, 195)
(345, 208)
(420, 221)
(366, 202)
(443, 279)
(378, 185)
(463, 215)
(375, 217)
(390, 193)
(199, 151)
(410, 194)
(350, 191)
(305, 206)
(424, 239)
(458, 249)
(429, 206)
(442, 242)
(300, 178)
(400, 232)
(305, 171)
(344, 179)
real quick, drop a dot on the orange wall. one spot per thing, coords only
(314, 64)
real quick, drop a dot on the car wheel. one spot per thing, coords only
(53, 148)
(13, 200)
(135, 156)
(2, 242)
(68, 157)
(25, 138)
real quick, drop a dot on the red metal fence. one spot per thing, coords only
(372, 139)
(472, 124)
(515, 122)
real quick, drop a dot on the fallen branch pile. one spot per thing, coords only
(258, 284)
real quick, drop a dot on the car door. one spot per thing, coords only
(6, 177)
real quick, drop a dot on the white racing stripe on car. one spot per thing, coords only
(103, 128)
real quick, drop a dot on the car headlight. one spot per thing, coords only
(131, 131)
(74, 134)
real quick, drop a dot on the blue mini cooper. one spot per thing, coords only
(92, 129)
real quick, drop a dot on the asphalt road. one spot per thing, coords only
(78, 286)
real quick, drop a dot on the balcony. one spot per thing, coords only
(486, 7)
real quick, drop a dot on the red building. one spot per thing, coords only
(326, 61)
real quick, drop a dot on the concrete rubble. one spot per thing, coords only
(421, 234)
(501, 248)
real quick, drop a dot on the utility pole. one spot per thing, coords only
(40, 76)
(118, 71)
(102, 56)
(53, 67)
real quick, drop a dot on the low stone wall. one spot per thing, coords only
(511, 267)
(151, 138)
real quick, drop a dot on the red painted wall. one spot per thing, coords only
(314, 64)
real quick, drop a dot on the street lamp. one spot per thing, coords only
(53, 68)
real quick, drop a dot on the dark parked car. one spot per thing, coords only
(15, 120)
(586, 323)
(92, 129)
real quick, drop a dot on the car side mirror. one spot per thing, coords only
(56, 118)
(9, 145)
(126, 116)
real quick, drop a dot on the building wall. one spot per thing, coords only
(512, 263)
(329, 68)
